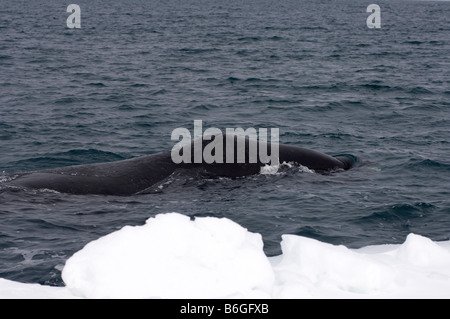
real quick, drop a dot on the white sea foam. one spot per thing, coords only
(269, 169)
(6, 178)
(273, 169)
(172, 256)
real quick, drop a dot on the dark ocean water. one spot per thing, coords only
(136, 70)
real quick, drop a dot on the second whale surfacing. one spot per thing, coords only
(133, 176)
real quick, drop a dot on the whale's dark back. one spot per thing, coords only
(253, 156)
(133, 176)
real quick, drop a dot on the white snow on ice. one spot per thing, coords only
(172, 256)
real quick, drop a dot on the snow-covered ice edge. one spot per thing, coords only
(172, 256)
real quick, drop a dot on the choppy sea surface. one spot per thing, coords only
(117, 87)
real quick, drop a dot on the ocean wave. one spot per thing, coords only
(417, 164)
(402, 214)
(72, 157)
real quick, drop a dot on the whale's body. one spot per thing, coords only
(132, 176)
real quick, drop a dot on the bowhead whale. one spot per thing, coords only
(133, 176)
